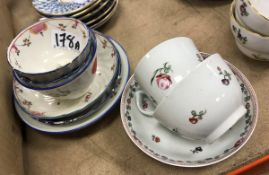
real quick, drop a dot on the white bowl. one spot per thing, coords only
(51, 48)
(254, 14)
(246, 37)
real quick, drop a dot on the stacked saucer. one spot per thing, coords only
(94, 13)
(250, 27)
(66, 76)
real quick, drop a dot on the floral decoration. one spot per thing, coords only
(39, 28)
(162, 76)
(243, 10)
(226, 76)
(156, 139)
(197, 150)
(196, 116)
(241, 38)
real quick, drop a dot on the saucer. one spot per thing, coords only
(170, 148)
(61, 7)
(103, 16)
(88, 120)
(103, 5)
(39, 105)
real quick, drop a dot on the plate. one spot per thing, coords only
(88, 120)
(170, 148)
(102, 19)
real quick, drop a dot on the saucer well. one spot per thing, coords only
(170, 148)
(88, 120)
(42, 106)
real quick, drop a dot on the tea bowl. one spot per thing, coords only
(50, 49)
(254, 14)
(204, 105)
(70, 86)
(246, 37)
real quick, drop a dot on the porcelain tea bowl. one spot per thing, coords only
(246, 37)
(71, 86)
(204, 105)
(50, 49)
(254, 14)
(165, 65)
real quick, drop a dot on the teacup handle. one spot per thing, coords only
(139, 103)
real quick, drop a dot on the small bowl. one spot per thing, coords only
(71, 86)
(50, 49)
(246, 37)
(252, 54)
(254, 14)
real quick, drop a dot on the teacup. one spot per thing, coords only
(50, 49)
(204, 105)
(254, 14)
(166, 65)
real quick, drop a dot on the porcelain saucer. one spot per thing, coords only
(170, 148)
(42, 106)
(88, 120)
(61, 7)
(104, 16)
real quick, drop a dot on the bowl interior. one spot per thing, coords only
(261, 6)
(47, 45)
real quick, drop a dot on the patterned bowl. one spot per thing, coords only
(246, 37)
(50, 49)
(254, 14)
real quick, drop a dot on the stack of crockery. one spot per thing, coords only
(94, 13)
(66, 76)
(185, 110)
(250, 27)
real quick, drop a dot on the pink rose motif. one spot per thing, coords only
(163, 81)
(39, 28)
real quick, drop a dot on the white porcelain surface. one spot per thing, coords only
(205, 104)
(165, 146)
(246, 37)
(254, 14)
(43, 106)
(166, 65)
(107, 106)
(34, 49)
(252, 54)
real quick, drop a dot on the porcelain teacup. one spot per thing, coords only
(204, 105)
(165, 65)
